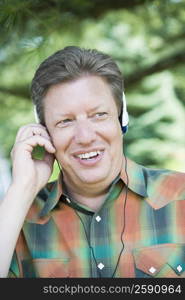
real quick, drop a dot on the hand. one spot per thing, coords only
(28, 172)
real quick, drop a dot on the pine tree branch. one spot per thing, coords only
(85, 8)
(18, 91)
(168, 62)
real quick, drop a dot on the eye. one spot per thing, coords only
(64, 122)
(101, 114)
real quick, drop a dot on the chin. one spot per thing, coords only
(93, 179)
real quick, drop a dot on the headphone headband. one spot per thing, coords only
(124, 117)
(35, 114)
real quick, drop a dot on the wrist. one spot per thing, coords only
(20, 194)
(25, 187)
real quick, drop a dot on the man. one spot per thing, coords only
(106, 216)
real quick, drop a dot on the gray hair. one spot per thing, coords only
(72, 63)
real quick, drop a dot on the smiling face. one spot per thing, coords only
(82, 119)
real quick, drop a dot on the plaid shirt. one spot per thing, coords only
(138, 232)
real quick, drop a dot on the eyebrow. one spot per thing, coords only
(96, 107)
(90, 110)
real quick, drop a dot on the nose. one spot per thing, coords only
(85, 132)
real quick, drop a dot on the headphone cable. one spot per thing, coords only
(123, 229)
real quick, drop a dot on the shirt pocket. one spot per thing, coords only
(46, 268)
(164, 260)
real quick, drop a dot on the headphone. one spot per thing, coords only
(123, 118)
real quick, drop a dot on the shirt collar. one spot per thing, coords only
(135, 182)
(53, 197)
(158, 187)
(133, 176)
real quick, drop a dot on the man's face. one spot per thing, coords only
(82, 119)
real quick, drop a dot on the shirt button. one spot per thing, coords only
(98, 218)
(179, 268)
(68, 200)
(152, 270)
(101, 266)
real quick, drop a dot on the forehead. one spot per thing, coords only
(87, 91)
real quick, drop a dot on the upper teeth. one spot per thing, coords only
(89, 154)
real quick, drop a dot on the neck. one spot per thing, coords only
(92, 198)
(91, 195)
(93, 203)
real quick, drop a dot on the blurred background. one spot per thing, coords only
(145, 37)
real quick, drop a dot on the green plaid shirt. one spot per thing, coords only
(138, 232)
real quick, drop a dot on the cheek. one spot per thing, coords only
(112, 132)
(115, 142)
(60, 142)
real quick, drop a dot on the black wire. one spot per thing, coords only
(90, 247)
(124, 223)
(86, 235)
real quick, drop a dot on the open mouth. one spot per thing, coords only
(89, 158)
(90, 155)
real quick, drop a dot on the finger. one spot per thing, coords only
(31, 130)
(49, 158)
(31, 142)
